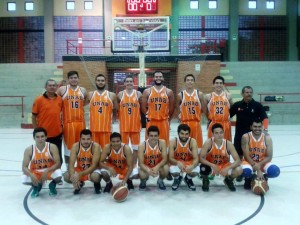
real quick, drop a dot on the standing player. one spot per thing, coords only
(102, 103)
(191, 103)
(152, 155)
(46, 113)
(183, 156)
(246, 111)
(41, 163)
(116, 158)
(258, 152)
(129, 116)
(73, 112)
(218, 104)
(158, 106)
(215, 158)
(84, 160)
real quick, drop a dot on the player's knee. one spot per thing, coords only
(273, 171)
(95, 177)
(247, 172)
(205, 170)
(67, 177)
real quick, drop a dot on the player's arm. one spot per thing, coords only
(119, 96)
(178, 103)
(229, 97)
(171, 103)
(25, 165)
(194, 148)
(128, 154)
(142, 165)
(114, 99)
(60, 91)
(201, 99)
(164, 154)
(172, 147)
(85, 95)
(144, 101)
(103, 156)
(206, 100)
(89, 96)
(236, 159)
(73, 158)
(269, 154)
(203, 153)
(56, 160)
(245, 148)
(95, 160)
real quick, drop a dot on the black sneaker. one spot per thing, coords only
(130, 184)
(189, 183)
(76, 191)
(161, 184)
(176, 183)
(108, 187)
(239, 178)
(247, 184)
(205, 184)
(97, 187)
(143, 184)
(228, 181)
(266, 177)
(52, 188)
(169, 177)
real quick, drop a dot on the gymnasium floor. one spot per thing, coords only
(219, 206)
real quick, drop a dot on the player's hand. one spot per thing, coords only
(215, 169)
(224, 172)
(44, 175)
(113, 173)
(256, 166)
(188, 169)
(260, 175)
(154, 171)
(75, 180)
(181, 166)
(34, 180)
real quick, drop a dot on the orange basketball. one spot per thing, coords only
(120, 193)
(259, 187)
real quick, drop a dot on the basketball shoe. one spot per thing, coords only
(97, 187)
(108, 187)
(52, 188)
(36, 190)
(205, 184)
(130, 184)
(143, 184)
(189, 182)
(161, 184)
(176, 183)
(228, 181)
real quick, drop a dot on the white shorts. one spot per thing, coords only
(175, 169)
(26, 179)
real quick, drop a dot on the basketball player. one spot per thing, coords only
(116, 158)
(183, 156)
(158, 106)
(218, 104)
(74, 98)
(46, 113)
(84, 160)
(215, 158)
(41, 163)
(152, 155)
(129, 116)
(102, 103)
(190, 102)
(258, 152)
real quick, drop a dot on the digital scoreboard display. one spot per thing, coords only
(141, 6)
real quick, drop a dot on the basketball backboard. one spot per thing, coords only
(140, 34)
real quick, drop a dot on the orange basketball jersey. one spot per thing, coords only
(158, 104)
(190, 107)
(257, 147)
(84, 157)
(41, 159)
(152, 156)
(218, 155)
(129, 114)
(117, 158)
(218, 107)
(183, 153)
(73, 103)
(101, 112)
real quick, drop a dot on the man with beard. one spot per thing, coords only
(84, 160)
(158, 106)
(183, 156)
(74, 98)
(102, 103)
(190, 102)
(218, 104)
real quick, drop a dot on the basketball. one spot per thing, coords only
(120, 193)
(259, 187)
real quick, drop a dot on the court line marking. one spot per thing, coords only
(25, 205)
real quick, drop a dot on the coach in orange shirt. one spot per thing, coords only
(46, 113)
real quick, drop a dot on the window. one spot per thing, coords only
(194, 4)
(70, 5)
(212, 4)
(88, 5)
(270, 4)
(252, 4)
(28, 6)
(11, 6)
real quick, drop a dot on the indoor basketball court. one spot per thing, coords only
(153, 206)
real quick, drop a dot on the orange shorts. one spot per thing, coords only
(164, 129)
(196, 131)
(226, 127)
(134, 138)
(118, 170)
(102, 138)
(38, 175)
(71, 133)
